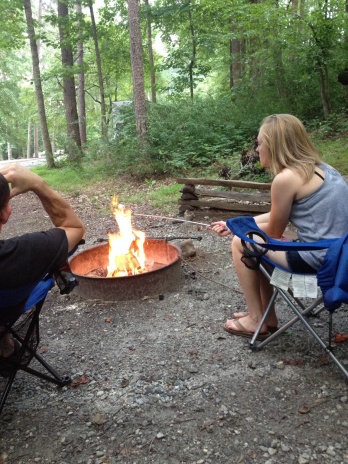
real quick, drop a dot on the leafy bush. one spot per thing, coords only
(183, 135)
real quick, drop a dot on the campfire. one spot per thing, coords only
(129, 266)
(126, 248)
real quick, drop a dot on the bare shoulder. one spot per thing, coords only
(287, 178)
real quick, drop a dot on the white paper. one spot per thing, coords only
(304, 286)
(280, 278)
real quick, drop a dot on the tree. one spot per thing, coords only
(38, 86)
(188, 41)
(150, 51)
(137, 68)
(99, 70)
(68, 78)
(81, 100)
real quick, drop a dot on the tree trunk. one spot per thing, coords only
(36, 141)
(29, 140)
(38, 86)
(9, 151)
(324, 90)
(137, 68)
(68, 81)
(81, 100)
(150, 48)
(193, 56)
(39, 20)
(99, 70)
(235, 57)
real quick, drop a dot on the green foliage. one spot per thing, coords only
(96, 172)
(183, 135)
(12, 24)
(332, 126)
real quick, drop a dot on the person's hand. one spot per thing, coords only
(220, 228)
(22, 180)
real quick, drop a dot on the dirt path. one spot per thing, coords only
(159, 381)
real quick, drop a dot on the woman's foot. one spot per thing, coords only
(248, 324)
(272, 325)
(235, 327)
(240, 314)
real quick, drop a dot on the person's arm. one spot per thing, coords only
(62, 215)
(262, 218)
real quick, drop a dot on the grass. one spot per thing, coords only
(73, 180)
(334, 152)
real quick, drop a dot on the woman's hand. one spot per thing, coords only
(220, 228)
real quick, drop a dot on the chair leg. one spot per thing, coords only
(327, 349)
(54, 377)
(300, 316)
(260, 345)
(330, 330)
(7, 389)
(51, 375)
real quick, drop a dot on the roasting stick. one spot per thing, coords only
(191, 222)
(171, 219)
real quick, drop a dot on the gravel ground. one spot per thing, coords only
(159, 381)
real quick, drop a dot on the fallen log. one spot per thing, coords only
(253, 200)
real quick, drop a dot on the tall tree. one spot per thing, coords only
(150, 51)
(81, 100)
(38, 86)
(192, 62)
(235, 56)
(68, 79)
(99, 70)
(136, 54)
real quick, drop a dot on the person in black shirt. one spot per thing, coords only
(26, 259)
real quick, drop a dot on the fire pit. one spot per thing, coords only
(162, 273)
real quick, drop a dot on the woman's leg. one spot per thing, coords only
(266, 294)
(255, 288)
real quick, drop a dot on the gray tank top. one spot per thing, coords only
(322, 214)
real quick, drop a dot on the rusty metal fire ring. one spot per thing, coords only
(167, 277)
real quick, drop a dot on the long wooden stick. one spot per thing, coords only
(170, 219)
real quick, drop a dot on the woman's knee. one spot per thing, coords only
(236, 243)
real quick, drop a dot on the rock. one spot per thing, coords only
(98, 419)
(189, 215)
(187, 249)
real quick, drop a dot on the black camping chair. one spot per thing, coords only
(19, 320)
(332, 280)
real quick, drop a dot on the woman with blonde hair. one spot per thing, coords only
(306, 192)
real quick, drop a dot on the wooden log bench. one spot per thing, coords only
(237, 196)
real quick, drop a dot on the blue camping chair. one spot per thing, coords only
(332, 279)
(19, 316)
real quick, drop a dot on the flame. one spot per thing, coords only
(126, 249)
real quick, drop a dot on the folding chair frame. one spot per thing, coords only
(331, 278)
(32, 329)
(299, 315)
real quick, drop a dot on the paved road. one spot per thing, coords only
(25, 161)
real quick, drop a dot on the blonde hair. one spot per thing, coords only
(288, 145)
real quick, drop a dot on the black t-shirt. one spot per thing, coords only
(30, 257)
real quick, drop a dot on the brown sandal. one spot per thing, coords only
(243, 332)
(271, 328)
